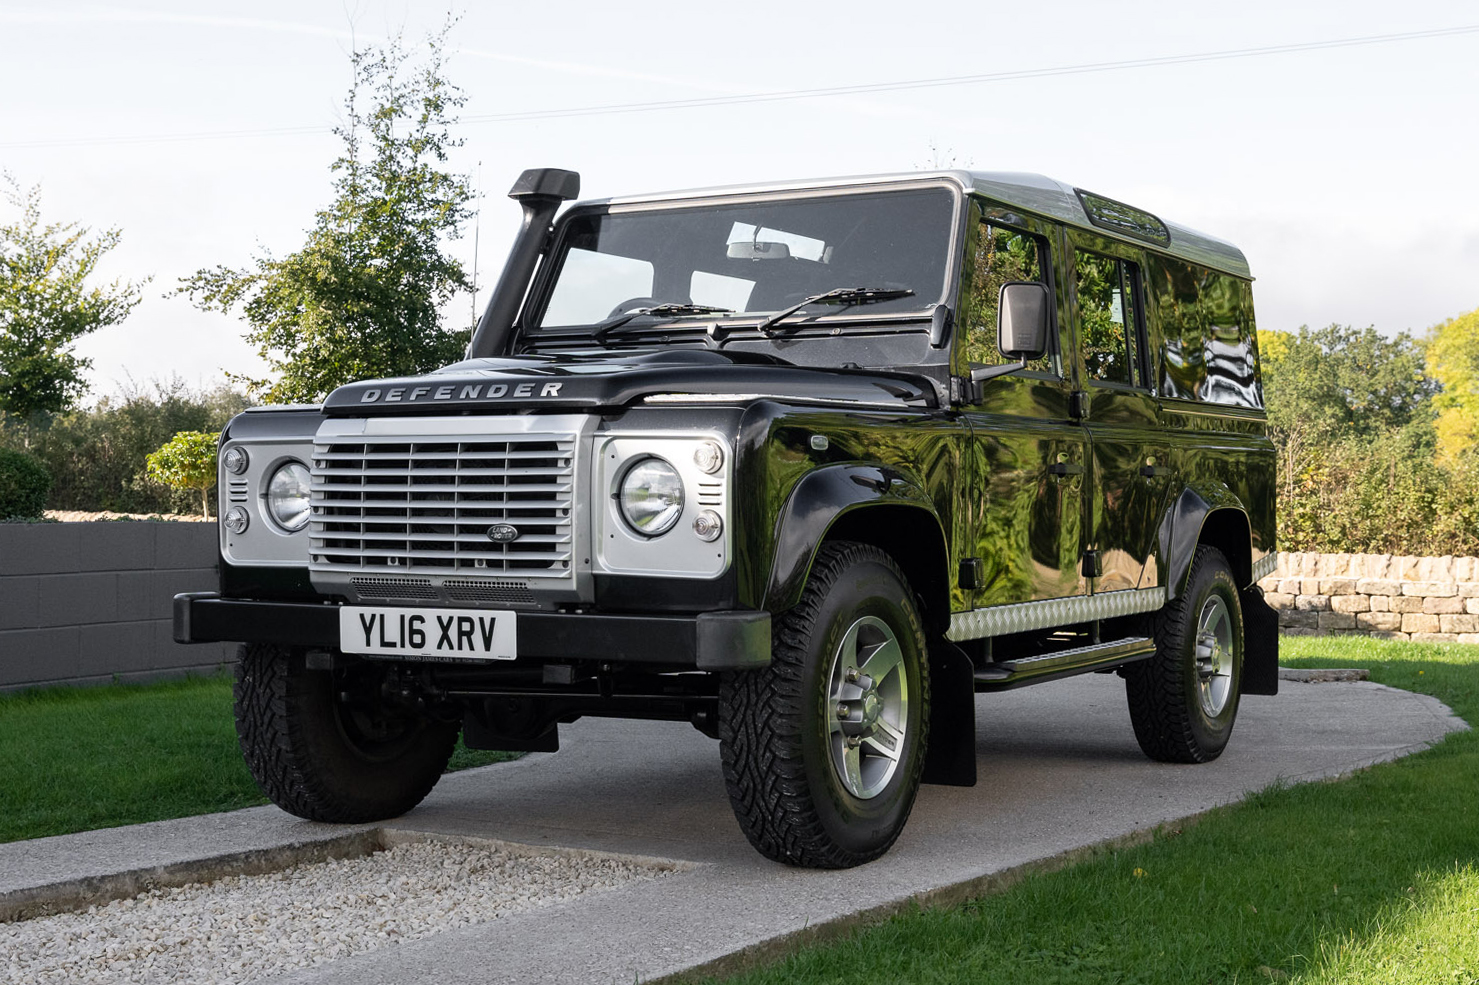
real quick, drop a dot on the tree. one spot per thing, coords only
(1453, 360)
(46, 305)
(1336, 384)
(186, 461)
(361, 297)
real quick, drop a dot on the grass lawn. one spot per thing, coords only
(72, 759)
(1372, 879)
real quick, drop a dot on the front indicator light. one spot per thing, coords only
(287, 496)
(235, 460)
(651, 497)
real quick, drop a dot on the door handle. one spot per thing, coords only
(1065, 468)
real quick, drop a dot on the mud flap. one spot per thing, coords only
(1260, 643)
(951, 757)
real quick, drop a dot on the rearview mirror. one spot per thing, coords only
(759, 250)
(1022, 320)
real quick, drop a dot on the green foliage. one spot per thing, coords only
(1345, 381)
(186, 461)
(1453, 360)
(1351, 414)
(999, 256)
(1381, 495)
(24, 483)
(147, 753)
(46, 306)
(97, 456)
(360, 299)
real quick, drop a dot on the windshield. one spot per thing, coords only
(753, 258)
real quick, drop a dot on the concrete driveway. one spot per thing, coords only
(1059, 771)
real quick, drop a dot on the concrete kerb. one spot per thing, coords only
(943, 897)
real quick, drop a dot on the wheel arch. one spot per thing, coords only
(870, 505)
(1214, 516)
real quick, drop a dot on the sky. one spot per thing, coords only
(203, 130)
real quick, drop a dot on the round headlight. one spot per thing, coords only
(651, 497)
(287, 496)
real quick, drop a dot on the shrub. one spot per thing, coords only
(186, 461)
(24, 483)
(97, 456)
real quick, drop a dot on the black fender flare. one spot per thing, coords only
(1182, 527)
(821, 498)
(1211, 513)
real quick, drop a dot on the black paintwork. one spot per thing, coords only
(601, 380)
(1042, 483)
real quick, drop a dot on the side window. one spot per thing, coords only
(1108, 318)
(1002, 254)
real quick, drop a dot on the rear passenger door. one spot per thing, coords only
(1128, 475)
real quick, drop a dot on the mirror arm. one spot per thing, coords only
(992, 372)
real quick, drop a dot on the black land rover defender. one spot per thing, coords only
(806, 465)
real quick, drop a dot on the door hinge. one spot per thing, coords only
(1078, 404)
(1093, 567)
(972, 573)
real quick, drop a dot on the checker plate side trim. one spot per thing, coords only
(1021, 617)
(1265, 565)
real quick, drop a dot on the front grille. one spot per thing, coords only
(507, 592)
(399, 505)
(394, 588)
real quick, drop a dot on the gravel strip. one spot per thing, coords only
(242, 928)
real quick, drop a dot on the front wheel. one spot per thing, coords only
(1184, 700)
(823, 749)
(326, 745)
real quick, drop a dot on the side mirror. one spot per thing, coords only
(1022, 320)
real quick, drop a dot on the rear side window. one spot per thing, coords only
(1108, 317)
(1207, 332)
(1002, 255)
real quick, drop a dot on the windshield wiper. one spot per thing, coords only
(669, 310)
(838, 295)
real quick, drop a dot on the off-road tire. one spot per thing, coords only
(1171, 724)
(786, 793)
(299, 742)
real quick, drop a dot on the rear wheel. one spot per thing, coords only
(1184, 700)
(328, 745)
(823, 749)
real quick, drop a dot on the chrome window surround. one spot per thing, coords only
(678, 553)
(1022, 617)
(263, 543)
(454, 584)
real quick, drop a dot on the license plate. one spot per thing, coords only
(432, 634)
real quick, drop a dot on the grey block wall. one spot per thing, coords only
(90, 602)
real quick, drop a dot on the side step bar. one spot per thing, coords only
(1063, 663)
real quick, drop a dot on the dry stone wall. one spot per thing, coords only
(1398, 598)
